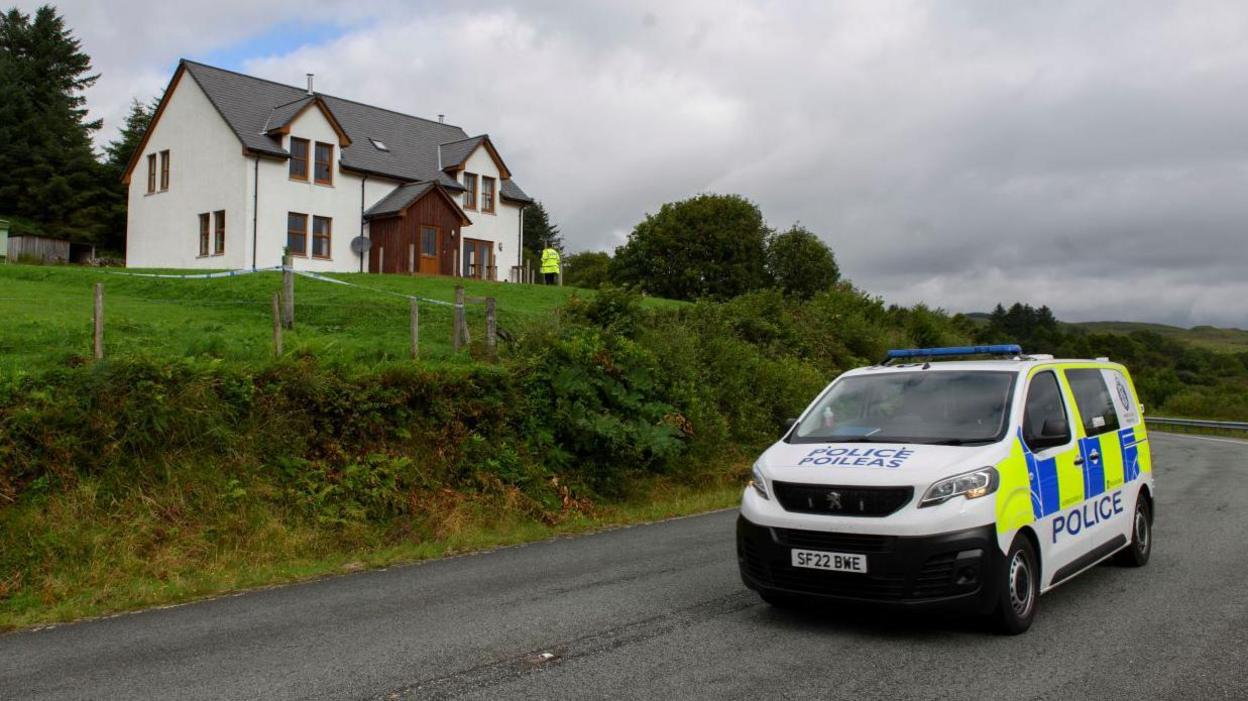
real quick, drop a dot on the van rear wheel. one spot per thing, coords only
(1137, 553)
(1020, 588)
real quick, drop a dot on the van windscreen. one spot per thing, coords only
(944, 407)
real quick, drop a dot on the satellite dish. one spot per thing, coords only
(361, 244)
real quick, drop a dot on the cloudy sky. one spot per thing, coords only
(1092, 156)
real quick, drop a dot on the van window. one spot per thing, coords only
(1124, 400)
(1096, 408)
(941, 407)
(1045, 410)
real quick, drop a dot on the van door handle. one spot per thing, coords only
(1079, 461)
(1094, 456)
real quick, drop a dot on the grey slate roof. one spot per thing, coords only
(398, 199)
(282, 114)
(511, 191)
(251, 106)
(457, 152)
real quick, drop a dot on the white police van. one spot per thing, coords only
(978, 484)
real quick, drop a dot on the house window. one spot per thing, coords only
(470, 193)
(151, 173)
(321, 228)
(218, 246)
(323, 169)
(429, 242)
(487, 194)
(164, 171)
(298, 158)
(203, 234)
(378, 144)
(297, 234)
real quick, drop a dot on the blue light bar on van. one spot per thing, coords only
(1002, 349)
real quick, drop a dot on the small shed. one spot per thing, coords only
(40, 248)
(415, 229)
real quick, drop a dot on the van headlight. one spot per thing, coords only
(757, 482)
(972, 485)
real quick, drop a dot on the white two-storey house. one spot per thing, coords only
(234, 170)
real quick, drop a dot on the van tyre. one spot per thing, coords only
(1137, 553)
(1020, 588)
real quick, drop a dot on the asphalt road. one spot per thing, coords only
(659, 612)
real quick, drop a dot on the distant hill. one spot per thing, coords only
(1211, 337)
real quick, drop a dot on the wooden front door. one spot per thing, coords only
(430, 245)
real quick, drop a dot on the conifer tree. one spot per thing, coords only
(52, 182)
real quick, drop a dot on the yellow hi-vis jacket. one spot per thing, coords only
(550, 261)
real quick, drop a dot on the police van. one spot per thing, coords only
(976, 482)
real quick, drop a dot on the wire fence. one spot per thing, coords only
(229, 316)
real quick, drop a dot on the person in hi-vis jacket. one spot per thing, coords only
(550, 264)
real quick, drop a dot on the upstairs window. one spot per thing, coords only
(218, 247)
(470, 192)
(487, 194)
(298, 158)
(321, 228)
(164, 170)
(151, 173)
(203, 234)
(323, 169)
(297, 234)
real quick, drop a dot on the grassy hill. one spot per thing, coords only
(1211, 337)
(46, 312)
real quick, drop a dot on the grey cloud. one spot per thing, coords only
(1087, 155)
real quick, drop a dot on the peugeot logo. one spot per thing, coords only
(834, 500)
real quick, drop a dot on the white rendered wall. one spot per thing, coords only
(209, 172)
(206, 174)
(280, 195)
(502, 227)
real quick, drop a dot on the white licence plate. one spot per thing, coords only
(833, 562)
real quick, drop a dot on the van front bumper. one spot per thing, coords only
(959, 570)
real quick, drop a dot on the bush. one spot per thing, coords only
(706, 246)
(800, 264)
(590, 269)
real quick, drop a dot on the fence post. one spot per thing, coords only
(491, 328)
(277, 324)
(457, 334)
(97, 319)
(415, 329)
(288, 291)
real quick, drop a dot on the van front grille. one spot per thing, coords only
(841, 501)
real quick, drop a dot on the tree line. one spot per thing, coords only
(710, 246)
(1170, 375)
(52, 181)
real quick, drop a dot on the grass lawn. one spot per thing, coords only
(46, 312)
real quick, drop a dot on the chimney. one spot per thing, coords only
(441, 118)
(309, 83)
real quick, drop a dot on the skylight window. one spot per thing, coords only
(378, 144)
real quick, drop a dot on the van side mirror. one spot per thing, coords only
(1054, 432)
(788, 426)
(1055, 428)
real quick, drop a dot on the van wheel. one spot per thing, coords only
(1137, 554)
(1020, 588)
